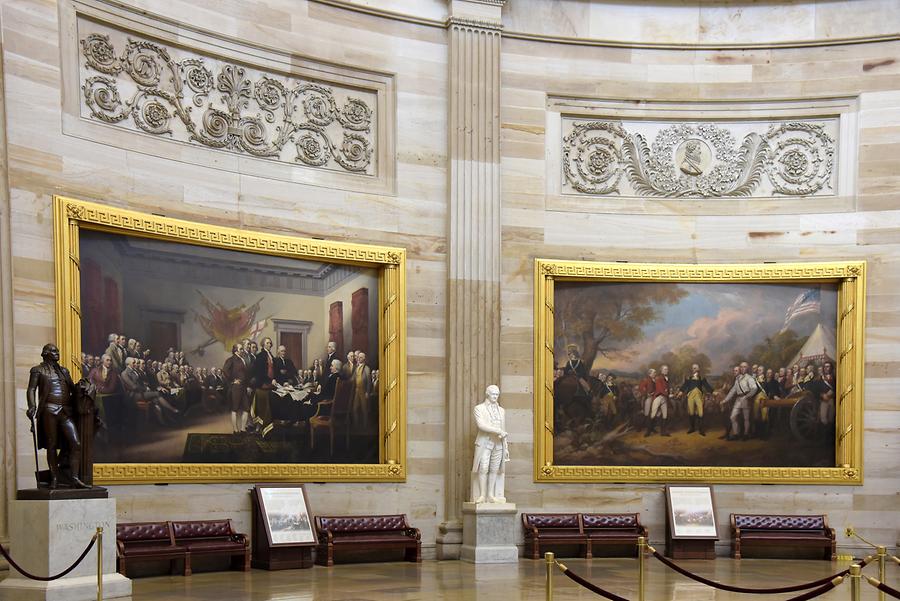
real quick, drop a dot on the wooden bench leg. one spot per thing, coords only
(321, 555)
(240, 561)
(122, 570)
(535, 549)
(588, 551)
(413, 554)
(325, 555)
(187, 564)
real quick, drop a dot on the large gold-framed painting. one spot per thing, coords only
(712, 373)
(222, 354)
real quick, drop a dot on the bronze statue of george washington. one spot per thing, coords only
(59, 404)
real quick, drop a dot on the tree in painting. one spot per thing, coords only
(601, 321)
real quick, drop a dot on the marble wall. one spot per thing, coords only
(183, 182)
(411, 45)
(725, 22)
(540, 223)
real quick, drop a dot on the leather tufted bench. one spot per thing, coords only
(146, 541)
(212, 537)
(753, 530)
(366, 532)
(612, 529)
(553, 528)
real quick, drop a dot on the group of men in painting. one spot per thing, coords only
(126, 378)
(266, 387)
(743, 396)
(125, 375)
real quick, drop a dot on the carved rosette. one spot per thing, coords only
(802, 158)
(254, 113)
(703, 160)
(592, 156)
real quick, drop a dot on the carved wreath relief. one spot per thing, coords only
(794, 158)
(198, 99)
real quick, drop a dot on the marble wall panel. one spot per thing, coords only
(46, 161)
(858, 226)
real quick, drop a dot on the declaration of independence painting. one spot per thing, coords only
(694, 374)
(209, 355)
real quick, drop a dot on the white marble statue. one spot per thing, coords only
(491, 450)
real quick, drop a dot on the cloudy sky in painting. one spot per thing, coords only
(723, 319)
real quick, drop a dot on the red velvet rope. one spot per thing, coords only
(614, 597)
(593, 587)
(19, 569)
(757, 591)
(889, 590)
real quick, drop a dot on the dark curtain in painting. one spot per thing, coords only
(93, 337)
(336, 326)
(359, 320)
(112, 312)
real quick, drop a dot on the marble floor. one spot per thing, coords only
(434, 580)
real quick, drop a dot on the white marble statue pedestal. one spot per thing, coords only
(489, 533)
(45, 537)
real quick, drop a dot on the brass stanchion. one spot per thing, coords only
(881, 553)
(548, 557)
(855, 582)
(642, 547)
(99, 563)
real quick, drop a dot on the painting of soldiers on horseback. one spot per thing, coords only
(694, 373)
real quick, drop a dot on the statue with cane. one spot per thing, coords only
(63, 419)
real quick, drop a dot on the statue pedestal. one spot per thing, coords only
(47, 536)
(489, 533)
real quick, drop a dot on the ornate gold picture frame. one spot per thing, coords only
(604, 331)
(331, 262)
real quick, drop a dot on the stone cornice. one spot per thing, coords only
(536, 37)
(473, 23)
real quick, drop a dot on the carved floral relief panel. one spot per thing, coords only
(699, 159)
(166, 91)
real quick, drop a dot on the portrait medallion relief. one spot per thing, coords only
(693, 157)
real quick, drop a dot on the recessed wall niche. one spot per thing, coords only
(635, 152)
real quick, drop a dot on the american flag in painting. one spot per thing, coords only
(807, 302)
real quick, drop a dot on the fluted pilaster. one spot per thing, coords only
(473, 304)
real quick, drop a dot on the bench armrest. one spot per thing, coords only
(414, 532)
(642, 531)
(239, 537)
(120, 549)
(531, 530)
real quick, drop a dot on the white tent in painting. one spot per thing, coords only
(818, 347)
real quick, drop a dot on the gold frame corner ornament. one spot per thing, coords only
(70, 216)
(850, 277)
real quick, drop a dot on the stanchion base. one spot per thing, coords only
(82, 588)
